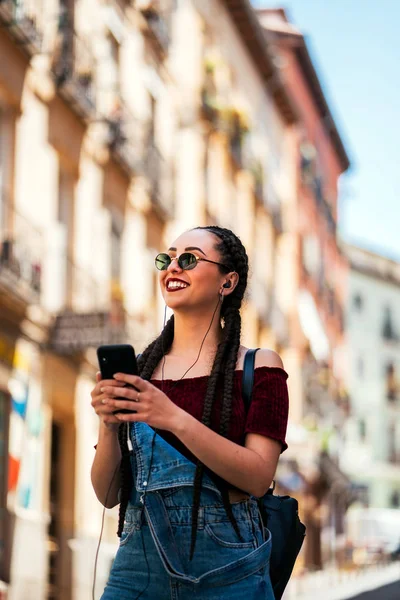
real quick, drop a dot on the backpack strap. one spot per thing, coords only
(248, 376)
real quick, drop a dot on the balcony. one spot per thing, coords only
(237, 129)
(157, 16)
(159, 175)
(73, 68)
(21, 19)
(209, 107)
(124, 138)
(323, 206)
(257, 171)
(209, 95)
(308, 155)
(21, 253)
(236, 150)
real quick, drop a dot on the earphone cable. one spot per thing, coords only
(143, 497)
(101, 530)
(198, 356)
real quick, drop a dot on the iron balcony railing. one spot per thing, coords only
(21, 256)
(157, 14)
(236, 150)
(73, 67)
(22, 20)
(124, 137)
(159, 174)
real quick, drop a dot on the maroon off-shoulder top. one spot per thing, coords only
(268, 413)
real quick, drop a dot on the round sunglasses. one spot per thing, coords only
(186, 261)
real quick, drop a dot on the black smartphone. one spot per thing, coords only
(117, 358)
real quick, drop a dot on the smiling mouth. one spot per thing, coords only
(174, 285)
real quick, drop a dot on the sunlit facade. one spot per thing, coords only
(319, 397)
(120, 125)
(371, 454)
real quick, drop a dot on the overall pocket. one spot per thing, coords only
(129, 528)
(224, 534)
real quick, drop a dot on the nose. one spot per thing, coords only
(174, 265)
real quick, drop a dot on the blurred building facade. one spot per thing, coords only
(120, 125)
(321, 400)
(371, 453)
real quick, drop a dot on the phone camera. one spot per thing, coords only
(104, 359)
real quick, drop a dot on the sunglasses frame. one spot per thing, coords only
(177, 258)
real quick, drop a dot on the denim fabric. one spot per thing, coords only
(153, 558)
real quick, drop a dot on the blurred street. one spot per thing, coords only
(383, 582)
(387, 592)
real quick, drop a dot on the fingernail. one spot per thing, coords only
(102, 389)
(104, 401)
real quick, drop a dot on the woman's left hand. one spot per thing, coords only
(150, 404)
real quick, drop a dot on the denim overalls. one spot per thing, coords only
(153, 557)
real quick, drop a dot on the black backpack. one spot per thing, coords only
(279, 513)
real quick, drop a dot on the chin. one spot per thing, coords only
(176, 304)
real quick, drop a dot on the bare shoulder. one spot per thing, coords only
(268, 358)
(264, 358)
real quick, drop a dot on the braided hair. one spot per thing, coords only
(233, 255)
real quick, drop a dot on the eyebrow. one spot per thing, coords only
(189, 248)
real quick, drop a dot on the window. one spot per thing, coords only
(395, 499)
(388, 330)
(64, 235)
(116, 249)
(391, 383)
(114, 71)
(362, 429)
(358, 302)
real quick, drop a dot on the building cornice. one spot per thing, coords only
(290, 37)
(373, 265)
(252, 34)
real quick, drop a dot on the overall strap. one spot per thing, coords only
(248, 376)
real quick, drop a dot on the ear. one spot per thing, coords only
(232, 280)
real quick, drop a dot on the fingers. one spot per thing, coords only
(104, 382)
(134, 380)
(100, 400)
(120, 392)
(122, 405)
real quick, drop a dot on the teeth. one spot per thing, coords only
(176, 284)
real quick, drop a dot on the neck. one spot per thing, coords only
(189, 332)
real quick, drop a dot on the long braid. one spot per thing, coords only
(147, 362)
(233, 254)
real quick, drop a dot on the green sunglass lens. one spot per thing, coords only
(162, 261)
(187, 261)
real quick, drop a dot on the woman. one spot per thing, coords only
(189, 522)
